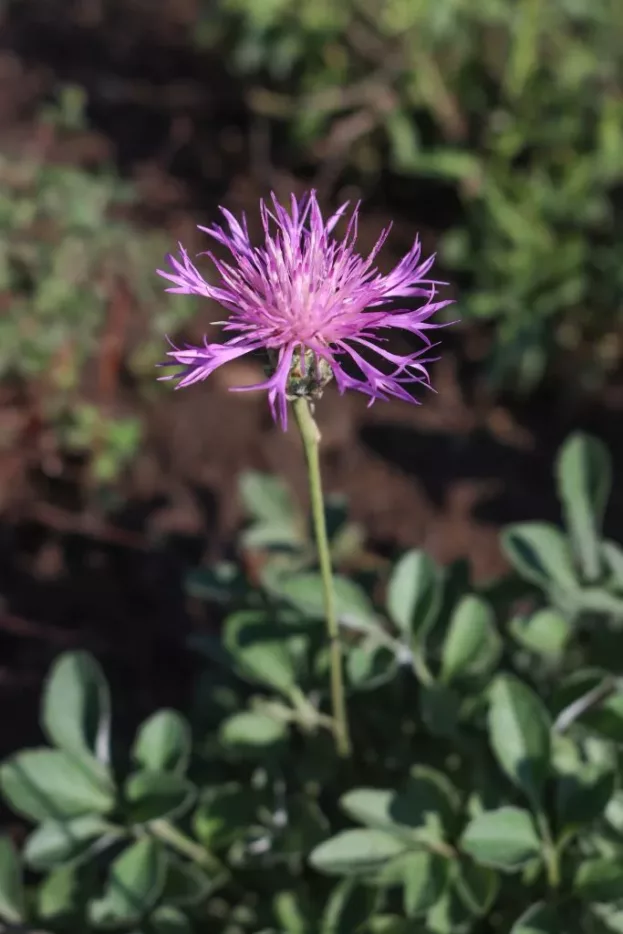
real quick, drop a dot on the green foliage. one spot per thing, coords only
(483, 795)
(74, 271)
(495, 103)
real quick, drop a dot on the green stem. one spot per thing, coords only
(311, 444)
(550, 853)
(420, 668)
(177, 840)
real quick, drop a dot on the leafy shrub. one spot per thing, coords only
(69, 259)
(497, 102)
(484, 794)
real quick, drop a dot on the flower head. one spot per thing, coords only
(311, 301)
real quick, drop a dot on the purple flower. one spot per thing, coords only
(311, 301)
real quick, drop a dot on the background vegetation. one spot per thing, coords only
(484, 794)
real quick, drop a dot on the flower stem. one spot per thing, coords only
(311, 444)
(550, 853)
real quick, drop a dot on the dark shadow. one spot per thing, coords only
(522, 481)
(123, 602)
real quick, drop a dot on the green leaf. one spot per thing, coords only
(477, 886)
(307, 827)
(583, 795)
(260, 650)
(304, 591)
(472, 644)
(349, 907)
(47, 784)
(252, 733)
(291, 912)
(606, 719)
(135, 883)
(58, 896)
(169, 920)
(599, 880)
(369, 806)
(76, 707)
(428, 805)
(541, 554)
(614, 812)
(606, 916)
(612, 556)
(163, 742)
(574, 686)
(370, 665)
(538, 919)
(440, 709)
(56, 842)
(277, 523)
(546, 632)
(356, 852)
(392, 924)
(425, 810)
(502, 839)
(449, 916)
(224, 813)
(266, 497)
(519, 732)
(424, 878)
(151, 795)
(12, 902)
(186, 885)
(414, 595)
(584, 475)
(451, 164)
(222, 583)
(404, 141)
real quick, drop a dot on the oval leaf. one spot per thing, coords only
(151, 795)
(414, 594)
(599, 880)
(424, 876)
(349, 907)
(251, 732)
(58, 896)
(47, 784)
(538, 919)
(186, 884)
(427, 807)
(135, 883)
(477, 886)
(55, 842)
(12, 904)
(584, 475)
(266, 497)
(583, 795)
(370, 665)
(472, 644)
(163, 742)
(519, 732)
(169, 920)
(305, 593)
(76, 707)
(546, 632)
(449, 915)
(541, 554)
(503, 839)
(260, 650)
(356, 852)
(369, 806)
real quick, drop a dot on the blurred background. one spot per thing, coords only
(492, 128)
